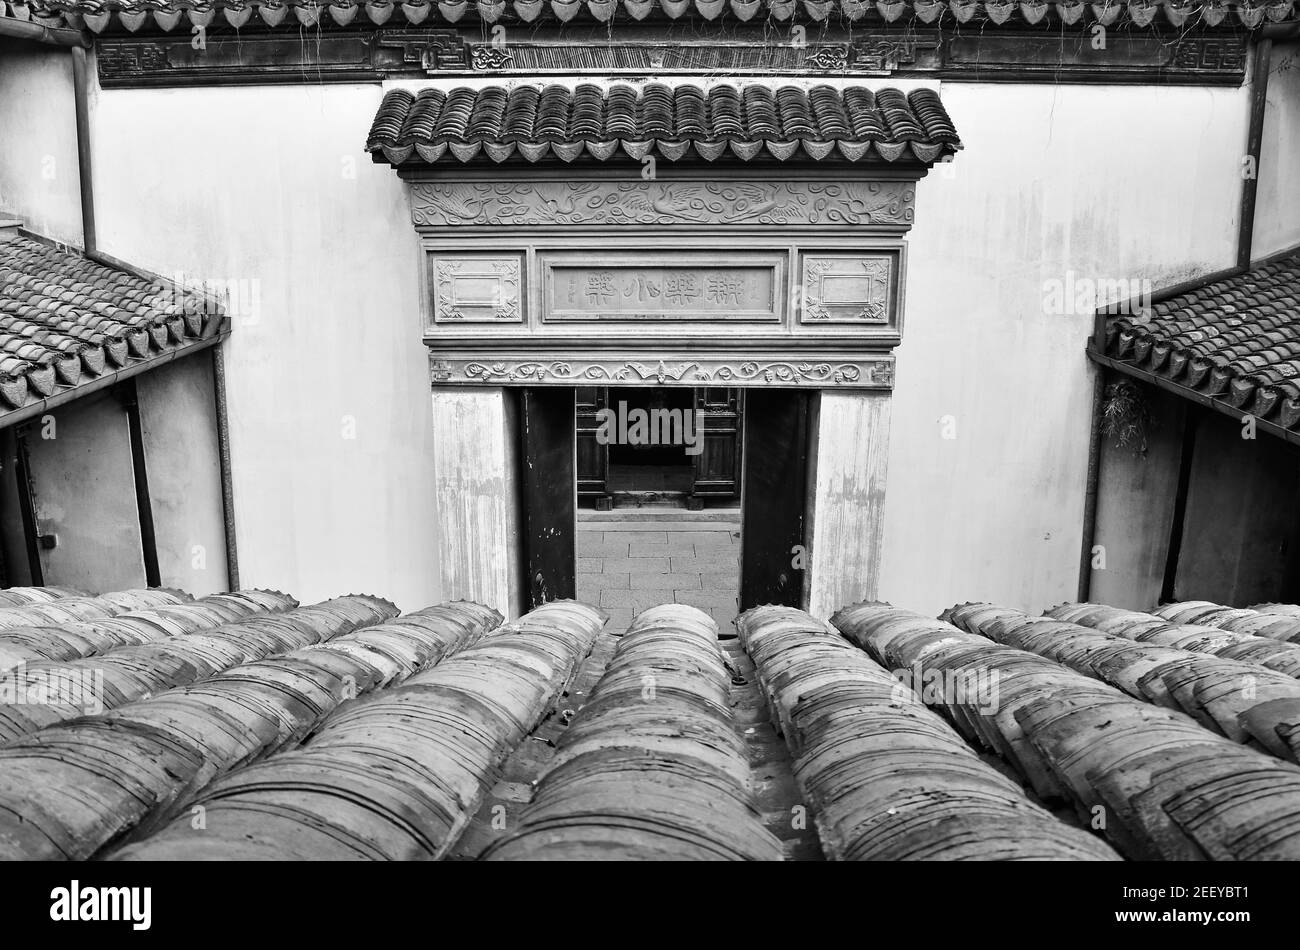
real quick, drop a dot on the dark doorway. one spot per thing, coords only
(699, 464)
(658, 467)
(547, 474)
(753, 445)
(775, 496)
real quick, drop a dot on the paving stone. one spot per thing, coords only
(709, 564)
(602, 549)
(655, 526)
(637, 565)
(635, 537)
(662, 581)
(638, 600)
(710, 538)
(606, 581)
(705, 598)
(658, 549)
(723, 615)
(726, 580)
(620, 618)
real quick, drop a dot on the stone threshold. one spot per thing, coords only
(642, 519)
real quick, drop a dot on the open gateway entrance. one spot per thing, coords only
(578, 487)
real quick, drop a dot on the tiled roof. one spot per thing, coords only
(749, 121)
(132, 15)
(66, 320)
(341, 730)
(1191, 754)
(1236, 341)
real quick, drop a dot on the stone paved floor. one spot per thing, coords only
(625, 565)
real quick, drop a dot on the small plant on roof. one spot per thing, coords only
(1125, 416)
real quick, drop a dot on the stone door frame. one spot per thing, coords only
(824, 255)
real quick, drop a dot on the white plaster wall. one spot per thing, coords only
(1277, 202)
(1115, 182)
(84, 485)
(331, 430)
(251, 183)
(38, 140)
(178, 424)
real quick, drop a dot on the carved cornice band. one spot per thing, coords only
(461, 203)
(875, 371)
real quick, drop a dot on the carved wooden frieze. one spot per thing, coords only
(847, 288)
(476, 289)
(871, 371)
(638, 202)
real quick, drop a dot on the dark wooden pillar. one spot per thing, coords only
(773, 497)
(548, 493)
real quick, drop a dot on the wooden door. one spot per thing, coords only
(548, 479)
(717, 467)
(773, 497)
(593, 458)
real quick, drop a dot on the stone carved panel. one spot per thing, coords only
(846, 288)
(867, 372)
(584, 286)
(449, 204)
(476, 289)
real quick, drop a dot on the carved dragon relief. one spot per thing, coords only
(442, 204)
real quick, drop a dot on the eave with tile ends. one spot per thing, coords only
(167, 15)
(747, 121)
(69, 326)
(1233, 344)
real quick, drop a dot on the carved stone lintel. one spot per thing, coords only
(873, 371)
(873, 203)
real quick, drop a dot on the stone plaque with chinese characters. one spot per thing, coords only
(656, 290)
(476, 289)
(844, 288)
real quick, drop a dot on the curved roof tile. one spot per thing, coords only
(66, 320)
(1236, 341)
(167, 15)
(537, 122)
